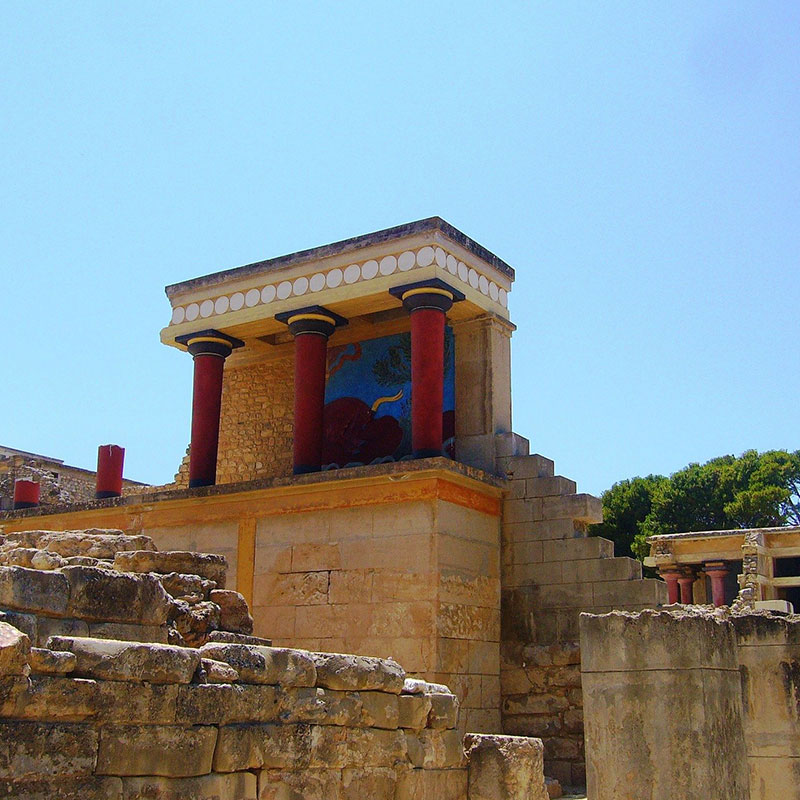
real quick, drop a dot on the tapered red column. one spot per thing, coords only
(673, 590)
(26, 494)
(311, 327)
(209, 348)
(110, 459)
(428, 303)
(717, 572)
(686, 582)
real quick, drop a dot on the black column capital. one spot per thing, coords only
(209, 342)
(433, 293)
(311, 319)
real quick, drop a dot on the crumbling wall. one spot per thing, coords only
(552, 571)
(692, 702)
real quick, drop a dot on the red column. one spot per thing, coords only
(686, 582)
(673, 591)
(717, 573)
(26, 494)
(311, 327)
(110, 458)
(209, 348)
(428, 303)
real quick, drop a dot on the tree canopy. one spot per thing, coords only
(754, 490)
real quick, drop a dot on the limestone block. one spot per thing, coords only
(13, 695)
(511, 444)
(113, 660)
(194, 621)
(48, 662)
(108, 596)
(548, 486)
(211, 671)
(64, 789)
(238, 638)
(266, 665)
(19, 557)
(15, 648)
(559, 654)
(128, 632)
(234, 613)
(210, 566)
(32, 750)
(522, 510)
(578, 548)
(418, 686)
(432, 784)
(505, 768)
(444, 711)
(581, 507)
(43, 559)
(296, 589)
(327, 784)
(49, 626)
(94, 542)
(220, 704)
(462, 621)
(531, 466)
(413, 711)
(379, 710)
(430, 749)
(34, 590)
(772, 778)
(179, 585)
(48, 699)
(231, 786)
(315, 556)
(170, 751)
(322, 706)
(351, 586)
(143, 704)
(27, 623)
(358, 673)
(602, 569)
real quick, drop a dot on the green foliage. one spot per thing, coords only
(754, 490)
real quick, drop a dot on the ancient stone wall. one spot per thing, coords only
(551, 573)
(692, 702)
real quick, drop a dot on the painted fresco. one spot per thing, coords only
(367, 415)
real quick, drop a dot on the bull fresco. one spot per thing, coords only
(367, 417)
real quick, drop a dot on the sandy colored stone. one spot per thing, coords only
(90, 788)
(19, 557)
(229, 637)
(221, 704)
(379, 710)
(27, 623)
(430, 749)
(178, 585)
(170, 751)
(358, 673)
(432, 784)
(129, 632)
(267, 665)
(444, 711)
(232, 786)
(210, 566)
(33, 750)
(93, 542)
(15, 648)
(50, 662)
(194, 621)
(109, 596)
(34, 590)
(211, 671)
(43, 559)
(505, 767)
(418, 686)
(234, 613)
(113, 660)
(321, 706)
(413, 711)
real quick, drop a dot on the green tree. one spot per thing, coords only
(753, 490)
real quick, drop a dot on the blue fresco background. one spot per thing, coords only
(381, 368)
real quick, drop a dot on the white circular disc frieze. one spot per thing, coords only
(452, 264)
(369, 270)
(206, 308)
(473, 278)
(237, 301)
(441, 257)
(406, 261)
(221, 304)
(192, 312)
(463, 272)
(284, 289)
(352, 273)
(252, 298)
(503, 298)
(493, 292)
(300, 286)
(334, 278)
(268, 294)
(483, 284)
(388, 265)
(178, 315)
(317, 282)
(425, 256)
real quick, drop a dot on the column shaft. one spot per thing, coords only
(206, 406)
(26, 493)
(310, 357)
(673, 590)
(718, 586)
(110, 458)
(687, 584)
(427, 381)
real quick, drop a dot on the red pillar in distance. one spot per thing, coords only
(673, 590)
(26, 494)
(209, 348)
(428, 303)
(687, 583)
(110, 459)
(717, 573)
(311, 328)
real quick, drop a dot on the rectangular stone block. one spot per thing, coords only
(231, 786)
(540, 530)
(27, 623)
(169, 751)
(522, 510)
(593, 570)
(432, 784)
(320, 706)
(536, 574)
(413, 711)
(531, 466)
(581, 507)
(435, 749)
(89, 788)
(549, 486)
(644, 592)
(128, 632)
(37, 591)
(50, 626)
(315, 556)
(264, 665)
(225, 703)
(459, 621)
(574, 549)
(379, 710)
(351, 586)
(35, 750)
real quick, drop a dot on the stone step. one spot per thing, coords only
(577, 549)
(211, 566)
(533, 466)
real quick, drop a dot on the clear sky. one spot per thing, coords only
(638, 163)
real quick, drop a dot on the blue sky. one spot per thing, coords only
(638, 163)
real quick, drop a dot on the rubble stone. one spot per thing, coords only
(51, 662)
(234, 614)
(505, 767)
(358, 673)
(93, 542)
(34, 590)
(211, 566)
(15, 649)
(267, 665)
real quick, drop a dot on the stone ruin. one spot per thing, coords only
(130, 673)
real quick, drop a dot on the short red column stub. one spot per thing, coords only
(110, 461)
(687, 588)
(26, 493)
(673, 590)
